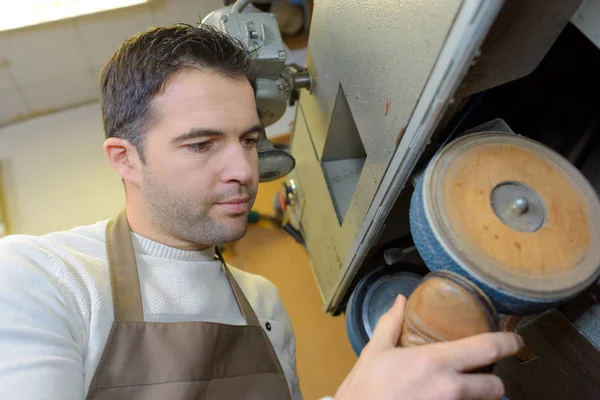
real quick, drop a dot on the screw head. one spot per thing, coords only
(224, 18)
(520, 206)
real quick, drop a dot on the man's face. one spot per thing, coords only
(200, 174)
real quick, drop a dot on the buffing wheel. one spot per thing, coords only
(374, 296)
(511, 215)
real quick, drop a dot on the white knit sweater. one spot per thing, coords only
(56, 307)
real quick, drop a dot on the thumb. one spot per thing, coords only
(389, 327)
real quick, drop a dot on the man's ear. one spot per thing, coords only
(125, 159)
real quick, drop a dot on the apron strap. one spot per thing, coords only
(243, 303)
(124, 279)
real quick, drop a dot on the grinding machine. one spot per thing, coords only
(457, 136)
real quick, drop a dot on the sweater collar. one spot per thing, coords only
(148, 247)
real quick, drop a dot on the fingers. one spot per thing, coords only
(480, 387)
(480, 350)
(388, 329)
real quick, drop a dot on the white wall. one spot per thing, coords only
(55, 175)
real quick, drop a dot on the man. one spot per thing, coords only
(138, 307)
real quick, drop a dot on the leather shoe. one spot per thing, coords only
(446, 306)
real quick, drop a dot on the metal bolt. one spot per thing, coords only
(224, 18)
(281, 53)
(520, 206)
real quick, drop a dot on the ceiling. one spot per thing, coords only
(57, 65)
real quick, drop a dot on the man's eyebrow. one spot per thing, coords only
(198, 133)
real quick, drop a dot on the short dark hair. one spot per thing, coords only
(139, 70)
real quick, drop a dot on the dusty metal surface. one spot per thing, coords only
(381, 54)
(342, 177)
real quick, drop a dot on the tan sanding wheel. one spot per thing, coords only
(516, 213)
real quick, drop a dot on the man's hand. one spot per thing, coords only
(429, 372)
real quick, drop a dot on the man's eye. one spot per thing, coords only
(199, 147)
(250, 142)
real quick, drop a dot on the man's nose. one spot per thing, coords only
(238, 164)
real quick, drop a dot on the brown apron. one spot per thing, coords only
(180, 360)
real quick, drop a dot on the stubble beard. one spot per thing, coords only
(188, 219)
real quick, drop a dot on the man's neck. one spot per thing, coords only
(141, 224)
